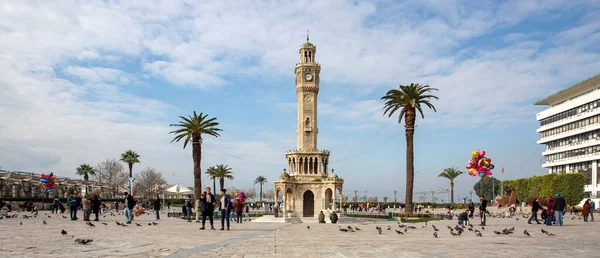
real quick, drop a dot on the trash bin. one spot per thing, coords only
(215, 214)
(390, 214)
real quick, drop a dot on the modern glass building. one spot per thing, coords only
(570, 129)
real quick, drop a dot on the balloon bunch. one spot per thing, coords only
(241, 196)
(480, 165)
(48, 182)
(138, 210)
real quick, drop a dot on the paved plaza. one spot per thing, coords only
(178, 238)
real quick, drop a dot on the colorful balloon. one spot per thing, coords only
(480, 165)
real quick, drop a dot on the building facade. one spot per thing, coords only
(306, 186)
(570, 130)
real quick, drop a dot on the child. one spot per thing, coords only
(463, 218)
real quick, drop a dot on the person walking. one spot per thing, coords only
(188, 207)
(585, 212)
(72, 201)
(592, 208)
(157, 207)
(482, 210)
(247, 212)
(559, 208)
(550, 211)
(56, 205)
(239, 210)
(96, 207)
(535, 207)
(208, 207)
(225, 207)
(87, 207)
(128, 207)
(471, 209)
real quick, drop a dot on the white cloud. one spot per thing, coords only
(52, 122)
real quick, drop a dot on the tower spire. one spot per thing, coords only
(307, 38)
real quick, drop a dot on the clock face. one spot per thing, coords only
(308, 77)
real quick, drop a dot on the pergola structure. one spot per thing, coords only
(17, 184)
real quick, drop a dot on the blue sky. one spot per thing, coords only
(84, 82)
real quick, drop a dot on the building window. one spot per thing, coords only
(573, 153)
(587, 195)
(570, 126)
(588, 107)
(557, 169)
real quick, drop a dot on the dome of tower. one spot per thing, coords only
(284, 176)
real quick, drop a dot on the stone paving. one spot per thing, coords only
(178, 238)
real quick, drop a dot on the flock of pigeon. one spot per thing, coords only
(83, 241)
(457, 230)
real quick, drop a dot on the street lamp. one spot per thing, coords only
(471, 195)
(395, 196)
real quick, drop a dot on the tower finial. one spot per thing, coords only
(307, 38)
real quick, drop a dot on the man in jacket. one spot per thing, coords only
(73, 205)
(128, 208)
(208, 208)
(535, 207)
(592, 208)
(482, 210)
(157, 207)
(559, 208)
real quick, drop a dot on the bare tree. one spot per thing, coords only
(150, 183)
(111, 172)
(250, 193)
(268, 195)
(385, 199)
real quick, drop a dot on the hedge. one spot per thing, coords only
(570, 185)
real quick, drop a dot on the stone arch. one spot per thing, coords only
(328, 198)
(278, 194)
(307, 123)
(308, 204)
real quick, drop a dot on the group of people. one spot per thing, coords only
(208, 203)
(75, 202)
(463, 217)
(556, 208)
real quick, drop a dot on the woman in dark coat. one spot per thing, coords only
(585, 212)
(96, 204)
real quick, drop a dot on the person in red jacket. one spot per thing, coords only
(238, 208)
(550, 211)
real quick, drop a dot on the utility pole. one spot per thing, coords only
(365, 195)
(395, 200)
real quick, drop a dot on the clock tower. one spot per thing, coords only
(307, 87)
(306, 185)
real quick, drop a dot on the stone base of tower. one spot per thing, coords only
(306, 196)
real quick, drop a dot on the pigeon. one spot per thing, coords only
(104, 224)
(63, 232)
(498, 232)
(379, 230)
(149, 224)
(307, 227)
(454, 234)
(119, 224)
(49, 217)
(435, 234)
(526, 233)
(405, 230)
(138, 224)
(449, 227)
(482, 228)
(342, 229)
(544, 231)
(64, 217)
(399, 232)
(401, 225)
(154, 223)
(478, 233)
(434, 228)
(470, 229)
(389, 228)
(90, 224)
(44, 221)
(82, 241)
(21, 223)
(349, 228)
(471, 225)
(411, 227)
(357, 229)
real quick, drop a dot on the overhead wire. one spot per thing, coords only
(334, 161)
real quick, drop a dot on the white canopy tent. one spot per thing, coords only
(178, 189)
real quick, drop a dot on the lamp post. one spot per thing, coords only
(395, 191)
(471, 195)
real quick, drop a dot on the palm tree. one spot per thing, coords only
(130, 157)
(191, 129)
(408, 100)
(222, 172)
(451, 173)
(85, 170)
(260, 180)
(211, 174)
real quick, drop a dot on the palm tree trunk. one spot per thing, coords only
(197, 156)
(222, 182)
(410, 159)
(260, 194)
(451, 191)
(130, 178)
(214, 186)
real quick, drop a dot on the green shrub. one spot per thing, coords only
(570, 185)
